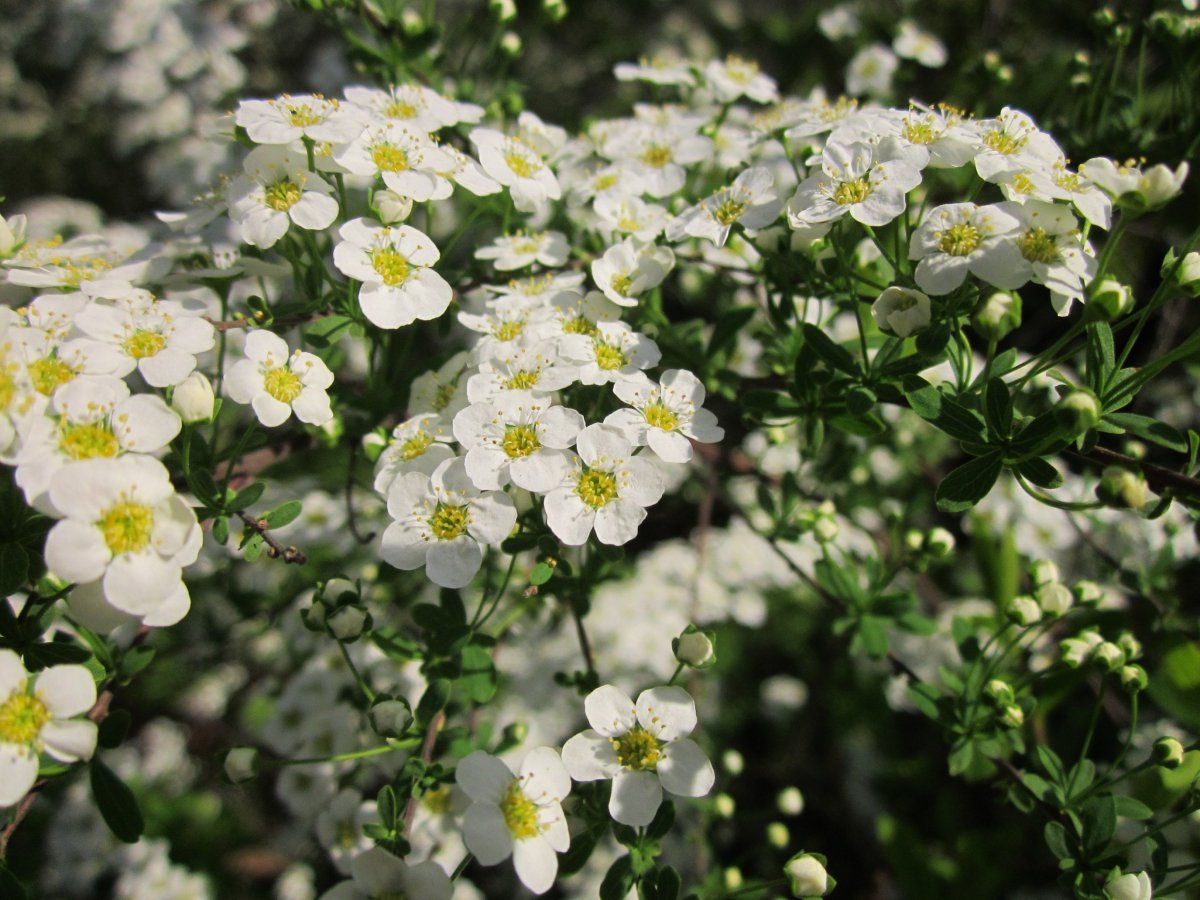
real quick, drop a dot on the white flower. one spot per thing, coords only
(807, 876)
(277, 190)
(276, 384)
(630, 216)
(420, 444)
(736, 77)
(913, 43)
(901, 311)
(607, 488)
(519, 815)
(959, 238)
(413, 105)
(1050, 251)
(442, 522)
(839, 22)
(643, 748)
(1129, 887)
(665, 415)
(870, 71)
(409, 163)
(521, 442)
(193, 399)
(751, 200)
(516, 251)
(657, 155)
(517, 166)
(658, 69)
(123, 526)
(631, 268)
(339, 828)
(852, 182)
(37, 715)
(1010, 143)
(534, 371)
(287, 119)
(393, 263)
(377, 873)
(1128, 183)
(608, 352)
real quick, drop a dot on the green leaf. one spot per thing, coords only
(136, 660)
(943, 411)
(872, 631)
(1081, 777)
(860, 401)
(932, 341)
(1050, 763)
(962, 756)
(1131, 808)
(283, 514)
(661, 824)
(114, 728)
(998, 407)
(541, 573)
(760, 404)
(969, 483)
(1101, 356)
(220, 529)
(434, 700)
(1149, 429)
(116, 803)
(831, 353)
(14, 568)
(1038, 437)
(478, 674)
(1041, 788)
(864, 426)
(324, 332)
(925, 698)
(670, 883)
(1040, 472)
(1099, 818)
(387, 806)
(728, 325)
(252, 547)
(55, 653)
(247, 496)
(579, 852)
(1056, 839)
(618, 881)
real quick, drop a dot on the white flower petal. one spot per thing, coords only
(685, 770)
(589, 756)
(668, 713)
(71, 740)
(483, 777)
(546, 777)
(610, 711)
(536, 864)
(66, 690)
(486, 834)
(636, 796)
(18, 772)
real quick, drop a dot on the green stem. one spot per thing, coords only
(462, 867)
(362, 684)
(341, 757)
(678, 669)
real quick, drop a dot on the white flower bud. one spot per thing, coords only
(1133, 678)
(732, 878)
(724, 806)
(1000, 691)
(1168, 753)
(12, 235)
(807, 876)
(1077, 650)
(1160, 183)
(695, 649)
(1043, 571)
(1088, 593)
(390, 718)
(391, 208)
(193, 399)
(241, 764)
(510, 43)
(1188, 274)
(1129, 887)
(1013, 716)
(503, 10)
(825, 529)
(1109, 655)
(347, 623)
(1024, 610)
(1054, 598)
(778, 835)
(998, 315)
(939, 542)
(790, 801)
(733, 762)
(1109, 300)
(901, 311)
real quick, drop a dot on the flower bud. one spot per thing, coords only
(999, 691)
(1168, 753)
(1130, 646)
(732, 878)
(1088, 593)
(1188, 273)
(510, 43)
(723, 806)
(939, 542)
(347, 623)
(790, 801)
(241, 764)
(901, 311)
(1134, 678)
(1078, 412)
(1077, 650)
(390, 207)
(1109, 655)
(914, 540)
(1160, 184)
(12, 235)
(314, 616)
(390, 718)
(555, 10)
(1012, 716)
(733, 762)
(694, 648)
(825, 529)
(778, 835)
(1109, 300)
(998, 315)
(1129, 887)
(1043, 571)
(807, 876)
(1054, 599)
(1024, 610)
(193, 399)
(1121, 488)
(503, 10)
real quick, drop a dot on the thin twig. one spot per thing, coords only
(275, 550)
(431, 733)
(1159, 479)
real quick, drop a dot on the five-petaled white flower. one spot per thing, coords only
(642, 747)
(377, 873)
(37, 714)
(276, 384)
(518, 814)
(277, 190)
(750, 200)
(519, 442)
(851, 182)
(665, 415)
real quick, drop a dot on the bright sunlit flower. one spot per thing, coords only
(666, 416)
(277, 384)
(276, 191)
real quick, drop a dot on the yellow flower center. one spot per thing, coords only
(596, 488)
(524, 380)
(1068, 181)
(399, 109)
(656, 156)
(637, 749)
(283, 384)
(282, 195)
(1023, 184)
(658, 416)
(919, 131)
(449, 522)
(392, 267)
(729, 210)
(87, 441)
(127, 526)
(999, 140)
(1038, 246)
(508, 331)
(416, 445)
(580, 325)
(603, 182)
(144, 343)
(520, 440)
(850, 192)
(302, 115)
(8, 385)
(520, 813)
(437, 800)
(522, 165)
(621, 283)
(21, 718)
(82, 269)
(609, 357)
(49, 374)
(389, 158)
(959, 240)
(443, 395)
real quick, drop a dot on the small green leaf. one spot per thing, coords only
(998, 406)
(1131, 808)
(14, 568)
(831, 353)
(1149, 429)
(434, 700)
(661, 824)
(969, 483)
(862, 426)
(669, 883)
(1050, 763)
(55, 653)
(116, 803)
(618, 881)
(114, 728)
(220, 529)
(478, 674)
(939, 409)
(1056, 839)
(1099, 818)
(925, 698)
(247, 496)
(1040, 472)
(541, 573)
(253, 546)
(860, 401)
(283, 514)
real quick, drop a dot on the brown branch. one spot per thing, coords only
(431, 733)
(251, 322)
(1159, 478)
(275, 550)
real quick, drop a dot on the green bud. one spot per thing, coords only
(1109, 655)
(790, 801)
(1122, 489)
(1054, 598)
(733, 762)
(1134, 678)
(999, 692)
(997, 315)
(1078, 411)
(1110, 300)
(1168, 753)
(555, 10)
(347, 623)
(1024, 610)
(1012, 716)
(695, 648)
(723, 806)
(241, 764)
(1043, 571)
(939, 542)
(807, 876)
(390, 717)
(778, 835)
(1088, 593)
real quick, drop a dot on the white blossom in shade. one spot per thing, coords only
(662, 68)
(123, 526)
(393, 263)
(658, 155)
(377, 874)
(469, 174)
(518, 442)
(750, 200)
(839, 22)
(920, 136)
(642, 747)
(911, 42)
(851, 182)
(412, 105)
(735, 77)
(276, 384)
(84, 259)
(630, 268)
(1010, 143)
(535, 372)
(516, 251)
(870, 71)
(517, 166)
(607, 489)
(17, 396)
(339, 828)
(1050, 251)
(420, 444)
(276, 191)
(1128, 183)
(596, 181)
(442, 521)
(960, 238)
(573, 313)
(1130, 886)
(629, 216)
(537, 290)
(665, 415)
(1060, 183)
(159, 338)
(505, 326)
(410, 164)
(608, 351)
(442, 391)
(287, 119)
(94, 417)
(518, 814)
(901, 311)
(38, 714)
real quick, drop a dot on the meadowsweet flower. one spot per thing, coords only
(961, 238)
(870, 71)
(535, 372)
(517, 814)
(442, 521)
(631, 268)
(911, 42)
(376, 873)
(409, 163)
(642, 747)
(515, 164)
(901, 311)
(735, 77)
(657, 155)
(394, 265)
(806, 875)
(1050, 251)
(1132, 186)
(1129, 887)
(287, 119)
(516, 251)
(609, 352)
(852, 182)
(666, 416)
(38, 714)
(631, 216)
(419, 444)
(413, 106)
(521, 442)
(276, 191)
(277, 384)
(750, 200)
(1010, 143)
